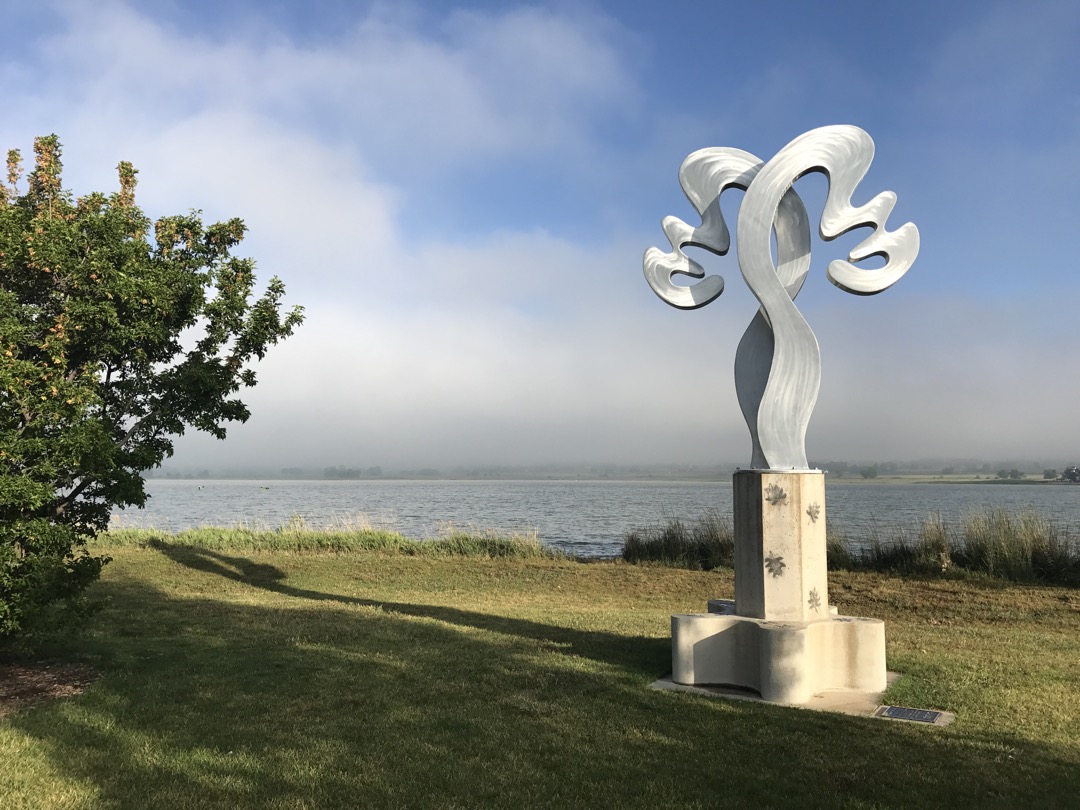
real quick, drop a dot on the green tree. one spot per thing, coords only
(116, 335)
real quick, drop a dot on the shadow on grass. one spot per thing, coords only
(648, 656)
(207, 703)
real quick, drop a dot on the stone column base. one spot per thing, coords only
(783, 661)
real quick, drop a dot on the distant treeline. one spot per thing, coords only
(349, 473)
(1010, 470)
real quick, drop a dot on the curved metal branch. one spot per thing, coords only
(704, 176)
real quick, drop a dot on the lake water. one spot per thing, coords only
(580, 517)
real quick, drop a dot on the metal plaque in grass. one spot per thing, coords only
(914, 715)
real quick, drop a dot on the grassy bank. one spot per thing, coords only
(296, 536)
(247, 677)
(1022, 547)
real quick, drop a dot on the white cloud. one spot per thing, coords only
(311, 145)
(461, 379)
(481, 85)
(519, 344)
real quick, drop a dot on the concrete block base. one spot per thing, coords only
(783, 661)
(838, 701)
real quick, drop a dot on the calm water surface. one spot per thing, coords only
(582, 517)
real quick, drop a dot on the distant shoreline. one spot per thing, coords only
(881, 480)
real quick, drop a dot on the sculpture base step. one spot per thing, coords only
(783, 661)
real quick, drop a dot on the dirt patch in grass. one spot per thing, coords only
(24, 683)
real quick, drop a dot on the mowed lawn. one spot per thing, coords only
(365, 679)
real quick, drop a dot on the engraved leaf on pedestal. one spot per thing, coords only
(775, 565)
(775, 495)
(814, 600)
(813, 511)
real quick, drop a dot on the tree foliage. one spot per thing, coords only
(116, 335)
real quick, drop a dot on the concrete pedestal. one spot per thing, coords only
(784, 662)
(780, 569)
(779, 637)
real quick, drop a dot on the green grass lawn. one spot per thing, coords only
(235, 678)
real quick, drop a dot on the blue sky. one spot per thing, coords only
(460, 195)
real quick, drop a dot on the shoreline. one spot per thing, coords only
(886, 480)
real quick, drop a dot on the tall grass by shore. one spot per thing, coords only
(1020, 547)
(298, 536)
(701, 545)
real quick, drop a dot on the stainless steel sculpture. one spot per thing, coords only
(778, 363)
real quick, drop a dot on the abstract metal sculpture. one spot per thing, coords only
(779, 636)
(778, 362)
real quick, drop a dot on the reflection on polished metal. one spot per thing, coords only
(778, 363)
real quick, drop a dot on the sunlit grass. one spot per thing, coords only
(296, 535)
(257, 678)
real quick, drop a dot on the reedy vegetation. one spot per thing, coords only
(296, 536)
(1023, 547)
